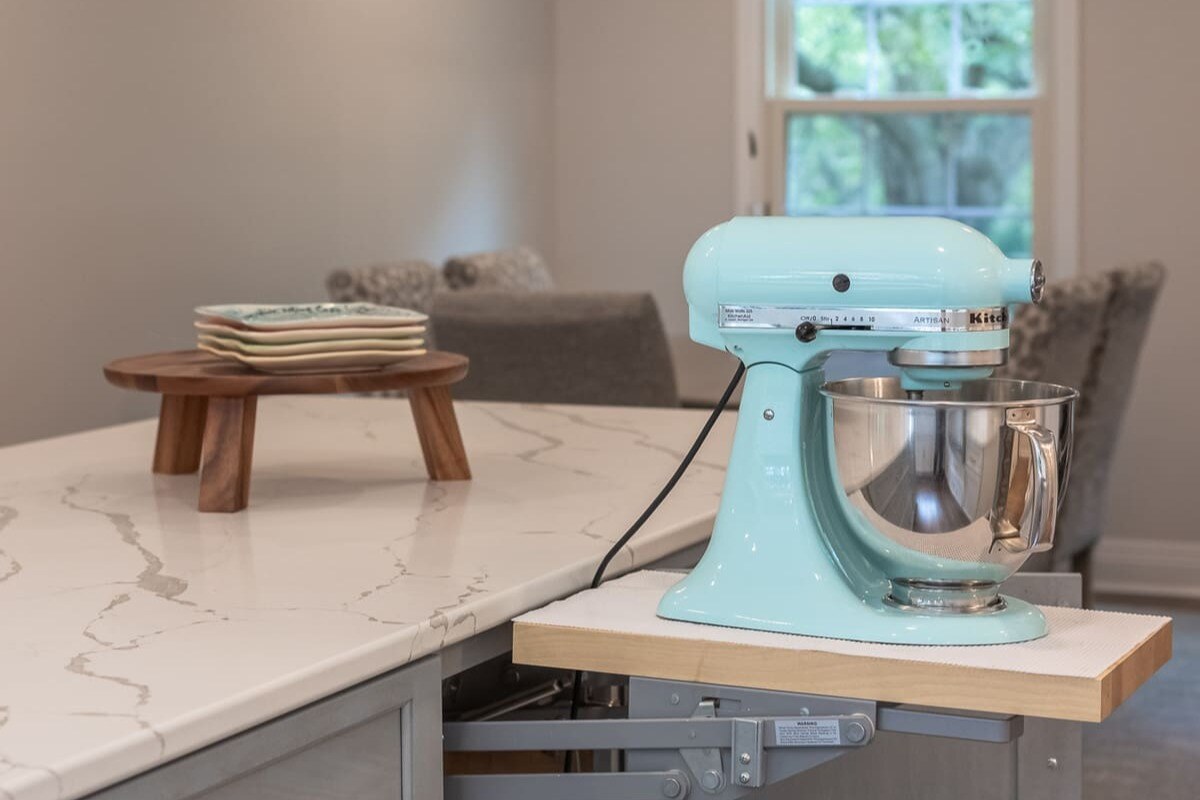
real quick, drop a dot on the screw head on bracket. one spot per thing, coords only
(855, 732)
(806, 331)
(711, 780)
(672, 787)
(744, 777)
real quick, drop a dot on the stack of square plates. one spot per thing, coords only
(311, 337)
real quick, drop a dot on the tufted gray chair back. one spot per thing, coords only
(1087, 333)
(516, 269)
(1104, 397)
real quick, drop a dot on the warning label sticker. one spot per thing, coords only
(806, 732)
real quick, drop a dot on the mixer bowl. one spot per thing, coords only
(949, 492)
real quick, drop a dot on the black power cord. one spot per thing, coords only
(577, 683)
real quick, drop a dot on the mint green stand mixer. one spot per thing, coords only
(883, 508)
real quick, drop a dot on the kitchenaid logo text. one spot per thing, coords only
(989, 317)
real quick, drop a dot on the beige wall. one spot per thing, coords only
(156, 154)
(644, 103)
(1141, 176)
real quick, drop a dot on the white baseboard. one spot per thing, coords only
(1150, 567)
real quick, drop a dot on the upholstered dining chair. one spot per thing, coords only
(408, 284)
(413, 284)
(1087, 333)
(559, 347)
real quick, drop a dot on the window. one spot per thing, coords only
(921, 107)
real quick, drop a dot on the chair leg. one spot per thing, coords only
(437, 428)
(228, 452)
(180, 434)
(1081, 562)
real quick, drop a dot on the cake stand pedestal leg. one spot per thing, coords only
(228, 450)
(180, 433)
(437, 428)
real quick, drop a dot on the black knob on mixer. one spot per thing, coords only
(806, 331)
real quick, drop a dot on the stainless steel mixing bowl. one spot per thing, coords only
(956, 488)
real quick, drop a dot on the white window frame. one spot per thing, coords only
(763, 99)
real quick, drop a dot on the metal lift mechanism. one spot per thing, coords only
(695, 740)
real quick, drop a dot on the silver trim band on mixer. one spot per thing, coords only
(901, 357)
(945, 596)
(918, 320)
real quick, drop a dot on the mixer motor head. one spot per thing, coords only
(933, 293)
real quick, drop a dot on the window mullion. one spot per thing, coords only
(954, 79)
(884, 3)
(872, 12)
(951, 175)
(954, 83)
(864, 134)
(904, 105)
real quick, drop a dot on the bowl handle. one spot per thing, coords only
(1045, 478)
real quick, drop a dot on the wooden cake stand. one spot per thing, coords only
(208, 407)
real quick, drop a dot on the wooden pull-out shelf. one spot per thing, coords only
(1087, 666)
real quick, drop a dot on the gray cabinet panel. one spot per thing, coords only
(900, 766)
(384, 735)
(362, 762)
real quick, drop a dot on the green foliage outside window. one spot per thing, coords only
(972, 166)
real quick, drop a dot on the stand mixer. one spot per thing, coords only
(885, 509)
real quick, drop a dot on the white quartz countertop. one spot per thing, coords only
(134, 629)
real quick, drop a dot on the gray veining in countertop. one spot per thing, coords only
(135, 629)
